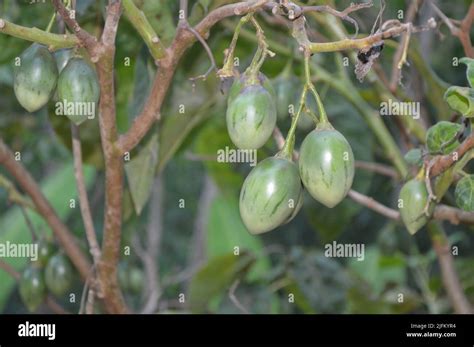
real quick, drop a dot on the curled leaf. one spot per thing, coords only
(442, 137)
(460, 99)
(464, 193)
(470, 69)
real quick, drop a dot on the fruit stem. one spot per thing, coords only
(253, 69)
(287, 69)
(287, 150)
(260, 56)
(51, 22)
(323, 118)
(229, 60)
(420, 176)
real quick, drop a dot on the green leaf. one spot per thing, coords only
(216, 277)
(461, 99)
(226, 231)
(470, 69)
(414, 157)
(379, 270)
(135, 88)
(212, 138)
(141, 172)
(362, 301)
(319, 282)
(464, 193)
(175, 129)
(441, 137)
(300, 298)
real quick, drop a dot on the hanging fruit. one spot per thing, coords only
(34, 79)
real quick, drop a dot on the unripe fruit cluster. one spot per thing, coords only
(39, 74)
(272, 194)
(51, 272)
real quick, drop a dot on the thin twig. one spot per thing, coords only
(381, 169)
(344, 15)
(459, 29)
(90, 302)
(149, 256)
(183, 23)
(400, 56)
(31, 228)
(9, 270)
(374, 205)
(183, 9)
(234, 298)
(449, 273)
(14, 195)
(83, 197)
(209, 54)
(442, 212)
(84, 297)
(89, 41)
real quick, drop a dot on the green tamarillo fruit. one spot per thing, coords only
(298, 207)
(285, 90)
(412, 202)
(305, 121)
(62, 57)
(326, 165)
(45, 252)
(137, 279)
(78, 91)
(271, 195)
(32, 287)
(35, 77)
(59, 274)
(251, 117)
(240, 82)
(131, 278)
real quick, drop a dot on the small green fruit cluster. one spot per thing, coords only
(52, 272)
(39, 73)
(272, 194)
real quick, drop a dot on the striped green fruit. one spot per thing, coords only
(326, 165)
(78, 85)
(298, 207)
(412, 202)
(35, 78)
(305, 121)
(62, 57)
(240, 82)
(251, 117)
(32, 288)
(270, 195)
(59, 274)
(45, 251)
(285, 91)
